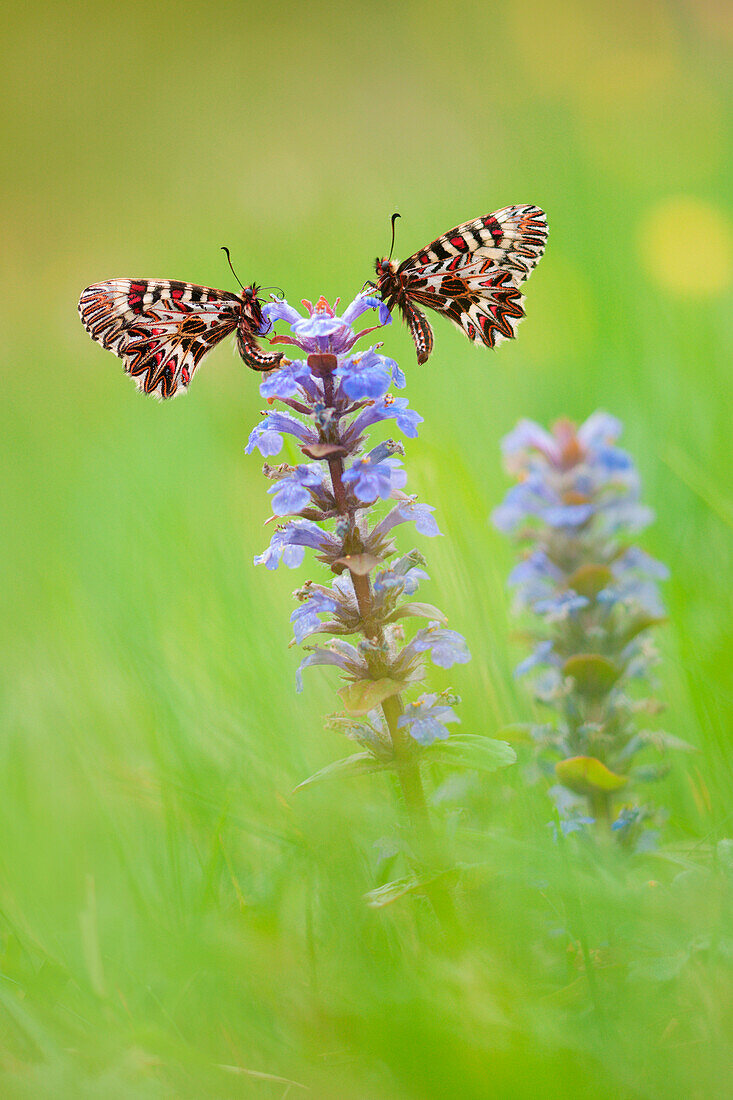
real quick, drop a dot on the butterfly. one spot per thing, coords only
(471, 275)
(161, 330)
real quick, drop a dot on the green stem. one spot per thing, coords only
(406, 764)
(600, 807)
(429, 851)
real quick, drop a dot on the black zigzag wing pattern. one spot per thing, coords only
(514, 238)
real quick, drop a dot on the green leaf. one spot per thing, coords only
(639, 623)
(324, 450)
(361, 564)
(586, 774)
(663, 741)
(594, 675)
(361, 763)
(519, 733)
(589, 580)
(365, 695)
(393, 891)
(470, 750)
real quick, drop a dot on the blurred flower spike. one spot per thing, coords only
(344, 500)
(591, 598)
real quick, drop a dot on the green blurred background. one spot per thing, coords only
(174, 922)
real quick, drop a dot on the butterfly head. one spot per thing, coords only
(252, 304)
(386, 275)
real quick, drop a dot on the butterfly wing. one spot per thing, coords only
(160, 329)
(513, 238)
(481, 299)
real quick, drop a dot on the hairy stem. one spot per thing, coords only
(427, 848)
(407, 767)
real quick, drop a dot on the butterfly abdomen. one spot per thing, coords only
(420, 330)
(252, 353)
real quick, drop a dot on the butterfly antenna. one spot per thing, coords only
(225, 249)
(395, 216)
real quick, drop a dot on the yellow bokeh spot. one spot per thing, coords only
(686, 246)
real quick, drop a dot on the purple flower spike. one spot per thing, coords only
(265, 440)
(599, 429)
(409, 511)
(279, 310)
(268, 433)
(637, 560)
(561, 606)
(406, 582)
(446, 647)
(338, 653)
(366, 376)
(541, 656)
(592, 598)
(568, 515)
(289, 378)
(388, 408)
(322, 331)
(537, 567)
(425, 720)
(527, 436)
(372, 480)
(303, 532)
(281, 550)
(305, 618)
(333, 398)
(361, 304)
(288, 542)
(292, 493)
